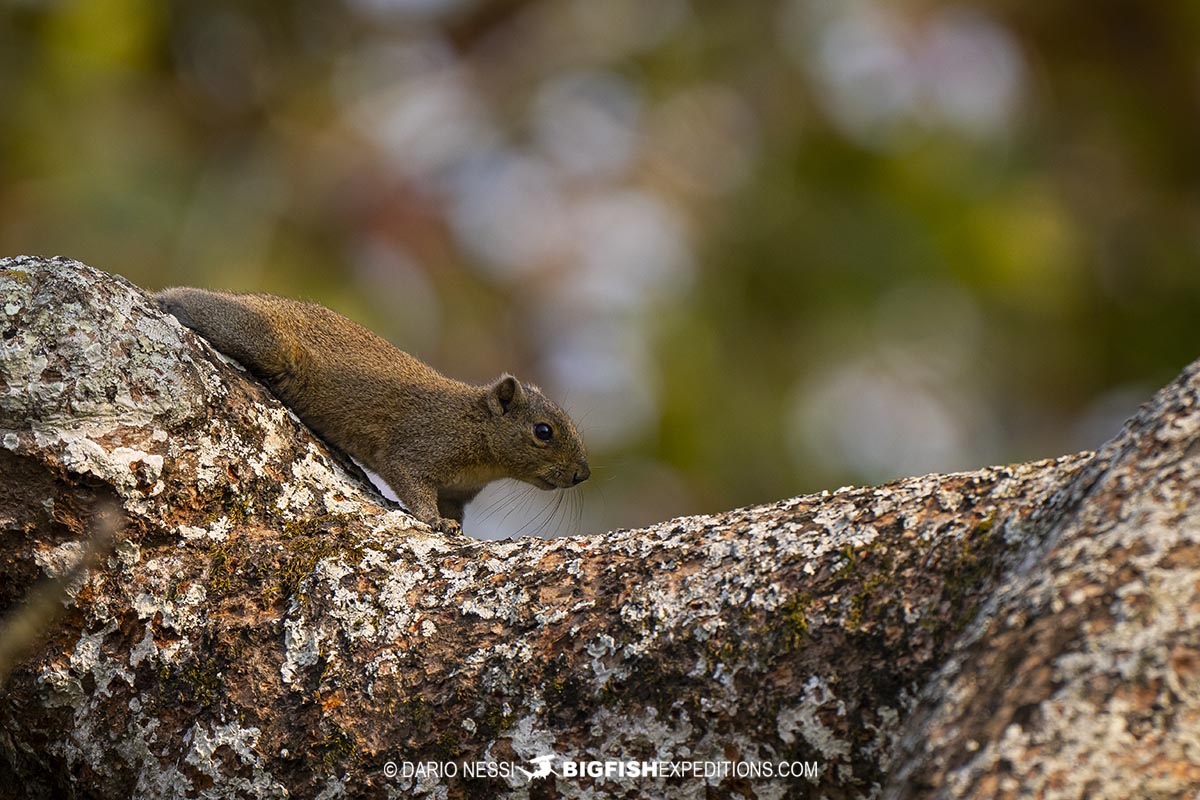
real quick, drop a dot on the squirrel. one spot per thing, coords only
(435, 441)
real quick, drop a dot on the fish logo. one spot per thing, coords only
(543, 767)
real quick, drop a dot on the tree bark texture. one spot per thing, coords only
(266, 625)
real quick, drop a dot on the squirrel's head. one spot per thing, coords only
(534, 438)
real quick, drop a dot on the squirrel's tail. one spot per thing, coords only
(240, 326)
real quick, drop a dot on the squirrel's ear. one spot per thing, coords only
(506, 394)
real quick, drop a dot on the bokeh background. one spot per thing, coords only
(757, 248)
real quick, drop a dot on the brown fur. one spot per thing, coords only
(436, 441)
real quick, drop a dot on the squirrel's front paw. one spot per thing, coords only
(450, 527)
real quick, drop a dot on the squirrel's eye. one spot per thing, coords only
(543, 431)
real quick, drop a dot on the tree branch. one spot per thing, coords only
(268, 625)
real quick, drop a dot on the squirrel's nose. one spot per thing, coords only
(582, 474)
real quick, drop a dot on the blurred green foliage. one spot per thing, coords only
(761, 248)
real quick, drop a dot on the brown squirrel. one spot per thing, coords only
(436, 441)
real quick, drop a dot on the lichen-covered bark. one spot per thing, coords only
(1081, 678)
(268, 626)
